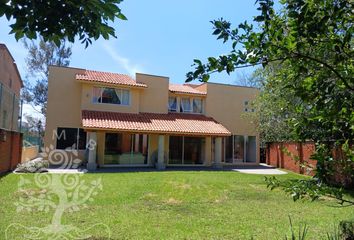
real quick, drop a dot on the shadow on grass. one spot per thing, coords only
(177, 168)
(4, 174)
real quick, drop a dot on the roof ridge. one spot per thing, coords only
(97, 71)
(108, 77)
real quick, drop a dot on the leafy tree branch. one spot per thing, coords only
(56, 20)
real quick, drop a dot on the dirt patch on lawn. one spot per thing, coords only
(172, 201)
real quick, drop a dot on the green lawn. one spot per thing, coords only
(181, 205)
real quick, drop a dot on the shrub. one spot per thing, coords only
(347, 230)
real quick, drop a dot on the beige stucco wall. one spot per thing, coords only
(67, 97)
(64, 101)
(225, 103)
(155, 97)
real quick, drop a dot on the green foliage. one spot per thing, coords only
(308, 188)
(335, 163)
(275, 106)
(313, 41)
(347, 230)
(334, 234)
(56, 20)
(310, 95)
(302, 232)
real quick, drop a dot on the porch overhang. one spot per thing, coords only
(154, 123)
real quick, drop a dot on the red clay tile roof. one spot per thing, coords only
(107, 77)
(184, 88)
(171, 123)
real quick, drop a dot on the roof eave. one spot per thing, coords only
(110, 84)
(159, 132)
(188, 93)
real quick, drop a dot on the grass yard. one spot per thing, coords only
(181, 205)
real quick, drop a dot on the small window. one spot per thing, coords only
(172, 104)
(197, 105)
(74, 138)
(111, 95)
(246, 105)
(186, 105)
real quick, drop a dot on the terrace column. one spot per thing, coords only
(161, 153)
(92, 147)
(218, 152)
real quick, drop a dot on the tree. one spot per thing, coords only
(275, 106)
(313, 40)
(248, 79)
(39, 58)
(56, 20)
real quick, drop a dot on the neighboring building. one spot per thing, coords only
(147, 121)
(10, 86)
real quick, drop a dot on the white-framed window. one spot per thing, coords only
(191, 105)
(172, 104)
(111, 95)
(186, 105)
(197, 105)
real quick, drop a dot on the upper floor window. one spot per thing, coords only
(185, 104)
(172, 104)
(111, 95)
(248, 107)
(197, 105)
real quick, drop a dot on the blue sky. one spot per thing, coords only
(160, 37)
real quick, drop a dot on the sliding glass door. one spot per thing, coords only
(126, 149)
(251, 149)
(238, 149)
(176, 150)
(239, 145)
(186, 150)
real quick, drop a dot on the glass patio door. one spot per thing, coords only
(239, 148)
(126, 149)
(186, 150)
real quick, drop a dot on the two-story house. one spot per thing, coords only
(114, 120)
(10, 87)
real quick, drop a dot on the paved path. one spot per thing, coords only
(58, 170)
(270, 171)
(251, 169)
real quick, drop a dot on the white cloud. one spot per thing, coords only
(34, 112)
(125, 63)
